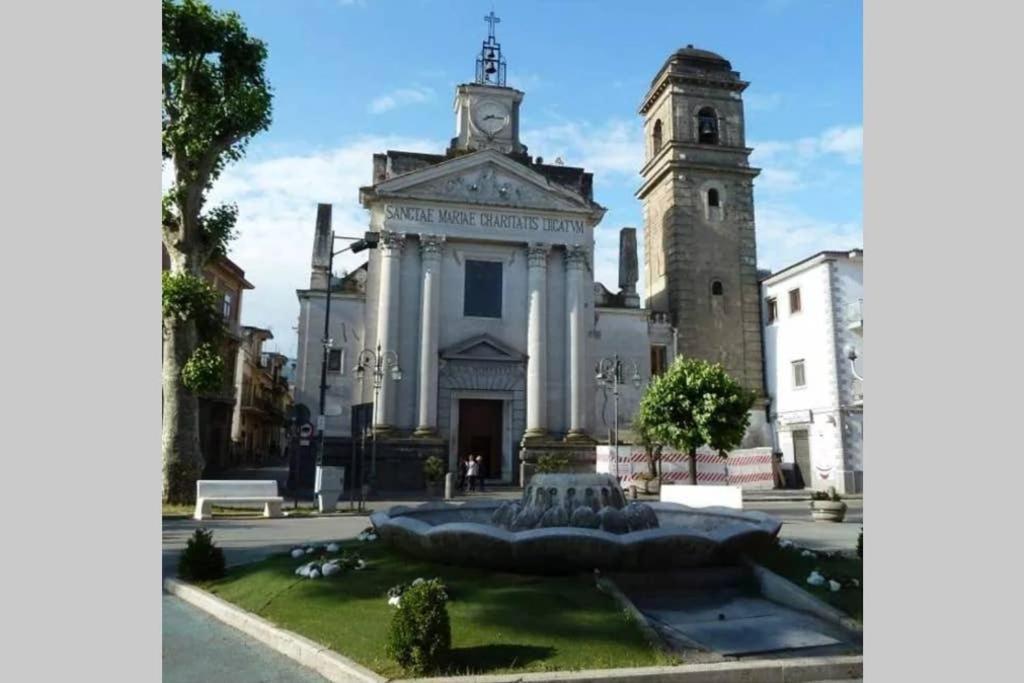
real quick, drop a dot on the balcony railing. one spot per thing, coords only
(855, 315)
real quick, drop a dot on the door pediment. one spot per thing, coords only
(482, 348)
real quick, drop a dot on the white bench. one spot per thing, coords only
(239, 493)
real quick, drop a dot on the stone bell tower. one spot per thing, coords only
(700, 256)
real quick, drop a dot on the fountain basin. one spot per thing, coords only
(464, 534)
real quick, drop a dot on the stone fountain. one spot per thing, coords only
(573, 522)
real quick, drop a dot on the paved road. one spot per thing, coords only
(197, 647)
(798, 526)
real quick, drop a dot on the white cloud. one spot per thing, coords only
(847, 141)
(277, 203)
(400, 98)
(786, 235)
(611, 148)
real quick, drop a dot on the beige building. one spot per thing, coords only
(216, 410)
(264, 399)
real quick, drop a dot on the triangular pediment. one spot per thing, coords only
(482, 347)
(486, 178)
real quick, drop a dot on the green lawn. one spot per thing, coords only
(500, 622)
(788, 562)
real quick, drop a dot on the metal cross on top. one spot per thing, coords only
(491, 19)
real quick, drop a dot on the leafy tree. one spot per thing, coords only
(215, 99)
(695, 403)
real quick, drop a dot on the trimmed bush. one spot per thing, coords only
(433, 469)
(420, 635)
(201, 560)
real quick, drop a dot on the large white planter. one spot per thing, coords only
(703, 496)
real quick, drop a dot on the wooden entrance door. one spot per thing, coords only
(480, 428)
(802, 455)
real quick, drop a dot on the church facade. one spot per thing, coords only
(479, 307)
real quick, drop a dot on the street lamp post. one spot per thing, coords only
(851, 354)
(609, 372)
(368, 241)
(381, 361)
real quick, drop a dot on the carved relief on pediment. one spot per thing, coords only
(489, 185)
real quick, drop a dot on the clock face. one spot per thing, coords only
(491, 117)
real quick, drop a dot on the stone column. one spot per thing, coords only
(575, 270)
(431, 247)
(391, 244)
(536, 334)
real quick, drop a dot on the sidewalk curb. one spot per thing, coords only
(338, 669)
(324, 661)
(804, 670)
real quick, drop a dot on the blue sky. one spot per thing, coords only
(354, 77)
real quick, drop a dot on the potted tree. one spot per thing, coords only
(827, 506)
(433, 472)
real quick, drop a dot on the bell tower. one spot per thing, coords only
(700, 255)
(487, 111)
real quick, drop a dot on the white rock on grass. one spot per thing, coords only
(330, 569)
(304, 569)
(309, 550)
(834, 585)
(298, 552)
(333, 547)
(360, 564)
(807, 553)
(785, 543)
(394, 601)
(314, 574)
(816, 579)
(418, 581)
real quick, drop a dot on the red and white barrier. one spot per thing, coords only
(750, 468)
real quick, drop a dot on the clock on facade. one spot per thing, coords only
(490, 117)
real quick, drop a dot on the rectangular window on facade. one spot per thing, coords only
(799, 378)
(659, 360)
(794, 301)
(773, 310)
(227, 306)
(483, 289)
(334, 360)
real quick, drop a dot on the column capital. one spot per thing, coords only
(538, 254)
(391, 243)
(576, 256)
(431, 246)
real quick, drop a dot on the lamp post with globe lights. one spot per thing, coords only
(610, 373)
(380, 361)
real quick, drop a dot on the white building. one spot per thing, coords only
(812, 319)
(483, 286)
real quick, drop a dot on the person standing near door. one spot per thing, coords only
(480, 473)
(471, 468)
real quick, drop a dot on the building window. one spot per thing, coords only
(656, 137)
(773, 310)
(794, 301)
(799, 378)
(659, 360)
(713, 198)
(716, 288)
(483, 289)
(707, 126)
(227, 306)
(334, 363)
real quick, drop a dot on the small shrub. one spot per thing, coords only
(550, 464)
(201, 560)
(420, 635)
(860, 544)
(433, 469)
(829, 495)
